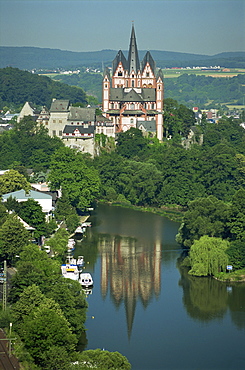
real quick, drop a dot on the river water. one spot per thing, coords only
(145, 307)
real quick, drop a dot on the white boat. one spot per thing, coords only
(80, 261)
(86, 280)
(71, 244)
(70, 271)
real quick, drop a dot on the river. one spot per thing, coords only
(147, 308)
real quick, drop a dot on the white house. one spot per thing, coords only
(45, 200)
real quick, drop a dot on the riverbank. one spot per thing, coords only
(237, 276)
(172, 212)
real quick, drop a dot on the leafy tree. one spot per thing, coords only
(236, 254)
(14, 237)
(34, 267)
(205, 216)
(11, 181)
(66, 212)
(31, 212)
(71, 299)
(102, 360)
(70, 173)
(208, 256)
(236, 220)
(132, 143)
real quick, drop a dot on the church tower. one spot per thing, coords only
(133, 93)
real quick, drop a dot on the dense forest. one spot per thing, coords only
(17, 87)
(189, 89)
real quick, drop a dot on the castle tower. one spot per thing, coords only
(133, 94)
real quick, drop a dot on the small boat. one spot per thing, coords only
(71, 244)
(70, 271)
(86, 280)
(80, 261)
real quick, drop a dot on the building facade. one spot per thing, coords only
(133, 93)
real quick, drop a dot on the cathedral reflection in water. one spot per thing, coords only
(130, 272)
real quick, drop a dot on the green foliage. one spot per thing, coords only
(13, 238)
(64, 211)
(205, 216)
(237, 216)
(58, 243)
(236, 253)
(99, 359)
(31, 212)
(70, 173)
(31, 145)
(18, 87)
(132, 143)
(11, 181)
(208, 256)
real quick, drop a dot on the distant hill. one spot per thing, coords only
(17, 87)
(38, 58)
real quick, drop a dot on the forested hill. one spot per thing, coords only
(17, 87)
(33, 57)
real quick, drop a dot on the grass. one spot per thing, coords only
(234, 276)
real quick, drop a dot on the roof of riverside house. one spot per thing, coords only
(59, 105)
(70, 129)
(23, 195)
(81, 114)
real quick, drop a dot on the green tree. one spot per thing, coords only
(132, 143)
(14, 237)
(205, 216)
(236, 220)
(31, 212)
(236, 253)
(208, 256)
(69, 172)
(102, 360)
(11, 181)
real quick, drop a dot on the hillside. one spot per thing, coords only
(17, 87)
(38, 58)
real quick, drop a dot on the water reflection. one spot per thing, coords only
(207, 299)
(130, 272)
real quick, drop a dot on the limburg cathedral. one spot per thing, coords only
(133, 93)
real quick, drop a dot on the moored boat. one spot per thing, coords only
(86, 280)
(70, 271)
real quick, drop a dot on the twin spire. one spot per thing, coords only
(133, 62)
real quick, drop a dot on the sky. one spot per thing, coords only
(189, 26)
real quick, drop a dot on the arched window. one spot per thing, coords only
(132, 83)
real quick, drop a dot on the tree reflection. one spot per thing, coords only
(207, 299)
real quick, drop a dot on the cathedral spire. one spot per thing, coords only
(133, 57)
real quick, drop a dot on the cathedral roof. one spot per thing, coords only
(119, 58)
(133, 57)
(148, 59)
(118, 94)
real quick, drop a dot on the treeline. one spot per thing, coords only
(18, 87)
(188, 89)
(198, 91)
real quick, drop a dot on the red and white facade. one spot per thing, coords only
(134, 91)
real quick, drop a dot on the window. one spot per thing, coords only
(120, 73)
(133, 83)
(152, 106)
(106, 86)
(54, 133)
(132, 106)
(147, 74)
(60, 121)
(60, 133)
(131, 120)
(54, 121)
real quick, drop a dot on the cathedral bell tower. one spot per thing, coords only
(133, 95)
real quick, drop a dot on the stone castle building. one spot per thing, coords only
(133, 93)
